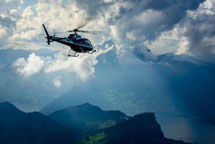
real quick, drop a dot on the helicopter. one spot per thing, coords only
(74, 41)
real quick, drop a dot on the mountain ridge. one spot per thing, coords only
(35, 128)
(142, 128)
(171, 58)
(87, 116)
(18, 127)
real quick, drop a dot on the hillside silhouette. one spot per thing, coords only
(82, 124)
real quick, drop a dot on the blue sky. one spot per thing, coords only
(27, 3)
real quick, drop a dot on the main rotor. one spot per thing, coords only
(82, 31)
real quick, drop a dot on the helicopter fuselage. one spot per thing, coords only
(80, 45)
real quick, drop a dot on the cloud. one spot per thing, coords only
(57, 83)
(29, 67)
(148, 20)
(193, 35)
(82, 66)
(131, 20)
(7, 27)
(132, 23)
(200, 32)
(8, 17)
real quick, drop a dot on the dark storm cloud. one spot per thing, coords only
(169, 13)
(174, 10)
(201, 35)
(154, 4)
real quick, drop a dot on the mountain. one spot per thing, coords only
(87, 117)
(17, 127)
(144, 54)
(104, 127)
(140, 129)
(172, 58)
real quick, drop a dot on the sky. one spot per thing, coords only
(153, 55)
(149, 34)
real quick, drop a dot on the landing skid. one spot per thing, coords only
(91, 52)
(74, 55)
(77, 54)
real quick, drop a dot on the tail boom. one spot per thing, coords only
(47, 35)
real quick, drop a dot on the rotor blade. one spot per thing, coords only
(93, 31)
(83, 24)
(60, 32)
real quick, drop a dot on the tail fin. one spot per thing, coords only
(47, 34)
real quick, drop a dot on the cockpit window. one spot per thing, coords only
(88, 42)
(85, 42)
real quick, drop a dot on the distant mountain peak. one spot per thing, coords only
(20, 127)
(87, 105)
(5, 103)
(171, 57)
(84, 107)
(87, 116)
(145, 118)
(6, 106)
(149, 115)
(144, 54)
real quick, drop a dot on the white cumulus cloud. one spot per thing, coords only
(30, 66)
(82, 66)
